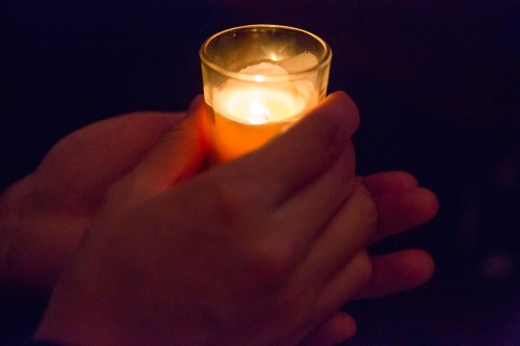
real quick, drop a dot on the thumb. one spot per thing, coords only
(178, 155)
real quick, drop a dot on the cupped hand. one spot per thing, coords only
(44, 216)
(401, 205)
(257, 251)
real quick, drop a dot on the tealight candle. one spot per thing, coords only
(258, 81)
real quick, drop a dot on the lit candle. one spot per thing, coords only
(246, 115)
(249, 107)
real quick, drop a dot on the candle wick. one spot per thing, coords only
(258, 113)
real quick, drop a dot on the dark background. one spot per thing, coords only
(437, 85)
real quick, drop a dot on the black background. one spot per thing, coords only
(437, 85)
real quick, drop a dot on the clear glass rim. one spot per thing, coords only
(324, 61)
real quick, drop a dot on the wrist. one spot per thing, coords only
(81, 309)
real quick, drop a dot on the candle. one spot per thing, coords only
(246, 115)
(274, 90)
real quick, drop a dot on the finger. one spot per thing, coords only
(108, 149)
(353, 276)
(305, 151)
(347, 232)
(337, 328)
(389, 182)
(178, 155)
(404, 210)
(331, 325)
(307, 212)
(397, 272)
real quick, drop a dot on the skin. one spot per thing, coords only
(145, 188)
(45, 215)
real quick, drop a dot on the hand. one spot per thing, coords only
(256, 251)
(401, 205)
(44, 216)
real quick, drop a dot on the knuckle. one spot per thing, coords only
(269, 262)
(365, 268)
(116, 191)
(125, 191)
(367, 207)
(229, 203)
(237, 201)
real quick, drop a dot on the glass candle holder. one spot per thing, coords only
(258, 81)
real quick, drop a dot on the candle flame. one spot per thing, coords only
(258, 113)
